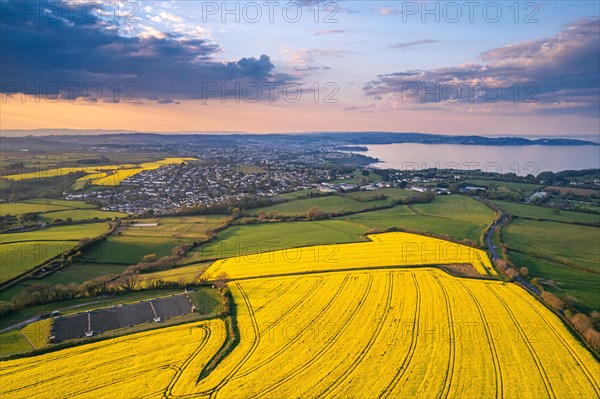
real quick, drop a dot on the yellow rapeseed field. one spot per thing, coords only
(339, 330)
(395, 333)
(105, 175)
(146, 364)
(388, 249)
(398, 334)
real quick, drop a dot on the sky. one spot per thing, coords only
(465, 67)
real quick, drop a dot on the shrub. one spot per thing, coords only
(511, 273)
(553, 301)
(314, 213)
(150, 257)
(593, 338)
(581, 322)
(6, 307)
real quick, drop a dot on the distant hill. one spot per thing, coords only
(16, 140)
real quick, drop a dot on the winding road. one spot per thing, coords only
(488, 242)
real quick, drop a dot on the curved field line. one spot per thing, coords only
(540, 367)
(492, 346)
(310, 292)
(78, 394)
(482, 264)
(168, 392)
(214, 392)
(367, 348)
(574, 354)
(281, 350)
(279, 294)
(411, 350)
(104, 344)
(66, 355)
(257, 287)
(324, 349)
(40, 240)
(452, 355)
(58, 377)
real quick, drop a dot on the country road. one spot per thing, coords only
(488, 242)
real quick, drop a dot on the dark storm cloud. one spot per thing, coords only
(561, 74)
(54, 45)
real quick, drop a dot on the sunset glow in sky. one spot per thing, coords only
(487, 68)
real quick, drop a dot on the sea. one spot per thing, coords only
(521, 160)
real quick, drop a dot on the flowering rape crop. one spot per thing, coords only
(353, 331)
(144, 364)
(389, 249)
(104, 175)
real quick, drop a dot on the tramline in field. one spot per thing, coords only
(355, 332)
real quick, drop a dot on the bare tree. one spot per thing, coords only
(128, 282)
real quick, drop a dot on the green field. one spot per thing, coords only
(20, 252)
(579, 284)
(41, 205)
(552, 249)
(457, 216)
(328, 204)
(61, 202)
(402, 216)
(457, 207)
(390, 193)
(152, 236)
(128, 250)
(357, 176)
(80, 214)
(189, 228)
(206, 301)
(13, 342)
(538, 212)
(75, 273)
(32, 336)
(251, 239)
(73, 232)
(525, 188)
(299, 194)
(565, 243)
(19, 257)
(19, 208)
(109, 257)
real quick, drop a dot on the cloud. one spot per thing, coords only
(77, 51)
(307, 60)
(167, 16)
(413, 43)
(329, 32)
(556, 74)
(385, 11)
(362, 108)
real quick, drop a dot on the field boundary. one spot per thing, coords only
(26, 274)
(361, 269)
(187, 319)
